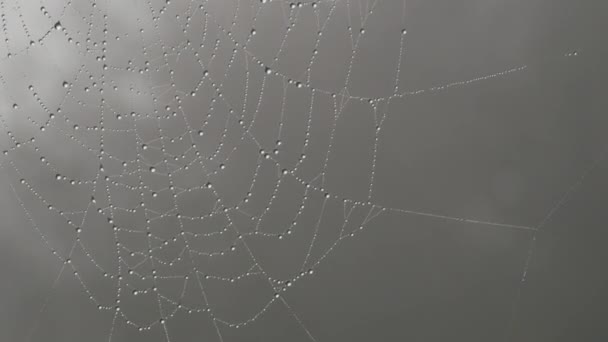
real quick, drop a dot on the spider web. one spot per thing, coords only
(165, 138)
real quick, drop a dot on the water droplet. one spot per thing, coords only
(572, 54)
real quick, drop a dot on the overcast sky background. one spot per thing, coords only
(490, 166)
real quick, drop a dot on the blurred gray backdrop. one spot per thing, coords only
(338, 170)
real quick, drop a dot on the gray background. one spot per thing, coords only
(502, 172)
